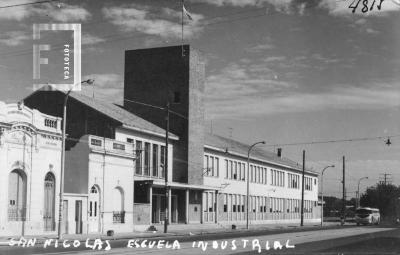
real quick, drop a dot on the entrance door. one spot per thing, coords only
(94, 209)
(155, 209)
(49, 196)
(174, 209)
(208, 207)
(78, 217)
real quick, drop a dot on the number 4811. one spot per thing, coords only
(364, 5)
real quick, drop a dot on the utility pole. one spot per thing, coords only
(302, 189)
(166, 218)
(344, 195)
(385, 178)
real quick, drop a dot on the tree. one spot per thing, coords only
(384, 197)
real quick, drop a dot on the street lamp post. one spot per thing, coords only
(322, 193)
(248, 183)
(358, 191)
(89, 81)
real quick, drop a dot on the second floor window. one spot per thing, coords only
(139, 156)
(155, 160)
(146, 169)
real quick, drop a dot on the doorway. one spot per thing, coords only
(49, 199)
(94, 219)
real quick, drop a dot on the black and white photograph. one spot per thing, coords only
(199, 127)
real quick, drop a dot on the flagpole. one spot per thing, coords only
(183, 53)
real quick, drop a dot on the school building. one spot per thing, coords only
(115, 156)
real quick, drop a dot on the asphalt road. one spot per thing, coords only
(339, 240)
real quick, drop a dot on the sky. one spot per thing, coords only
(282, 71)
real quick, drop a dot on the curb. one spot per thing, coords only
(168, 236)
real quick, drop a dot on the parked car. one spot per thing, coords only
(367, 215)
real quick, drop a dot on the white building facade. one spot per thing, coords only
(275, 187)
(30, 156)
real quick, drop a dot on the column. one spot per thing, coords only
(187, 206)
(150, 192)
(201, 207)
(216, 206)
(169, 205)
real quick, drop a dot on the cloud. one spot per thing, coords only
(241, 90)
(334, 7)
(163, 22)
(284, 6)
(372, 31)
(63, 12)
(58, 12)
(106, 86)
(261, 47)
(14, 13)
(88, 39)
(14, 38)
(244, 3)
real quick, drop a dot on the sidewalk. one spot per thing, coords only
(174, 230)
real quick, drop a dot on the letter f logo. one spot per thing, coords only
(37, 48)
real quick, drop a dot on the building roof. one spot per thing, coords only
(126, 118)
(233, 146)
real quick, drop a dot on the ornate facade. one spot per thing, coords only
(30, 156)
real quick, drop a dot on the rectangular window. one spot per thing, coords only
(225, 203)
(235, 175)
(129, 140)
(206, 167)
(243, 172)
(211, 166)
(239, 171)
(118, 146)
(308, 183)
(162, 156)
(216, 166)
(266, 174)
(230, 203)
(95, 142)
(146, 170)
(234, 202)
(226, 169)
(239, 203)
(155, 160)
(229, 170)
(232, 170)
(139, 156)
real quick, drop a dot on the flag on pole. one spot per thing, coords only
(188, 14)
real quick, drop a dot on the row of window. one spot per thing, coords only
(258, 174)
(150, 159)
(236, 170)
(236, 203)
(277, 178)
(293, 181)
(308, 183)
(211, 166)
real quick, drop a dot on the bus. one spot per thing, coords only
(367, 215)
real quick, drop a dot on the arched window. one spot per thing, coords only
(17, 195)
(118, 205)
(49, 202)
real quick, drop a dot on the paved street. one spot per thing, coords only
(372, 240)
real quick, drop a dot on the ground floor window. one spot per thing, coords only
(17, 196)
